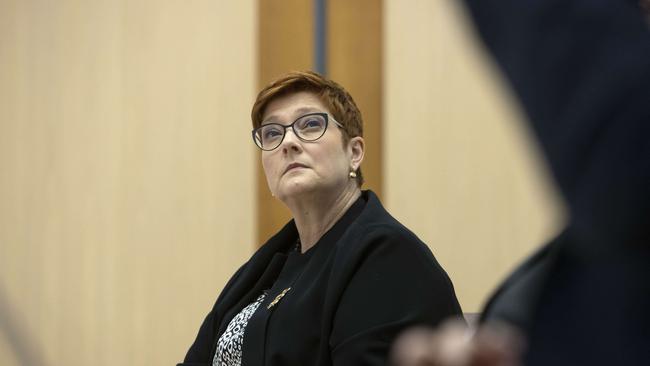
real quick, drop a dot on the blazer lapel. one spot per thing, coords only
(258, 274)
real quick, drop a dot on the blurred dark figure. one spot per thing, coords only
(581, 69)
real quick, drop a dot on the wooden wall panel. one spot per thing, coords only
(285, 33)
(126, 175)
(355, 55)
(461, 169)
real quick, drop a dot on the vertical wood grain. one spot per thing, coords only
(461, 168)
(285, 33)
(355, 60)
(126, 174)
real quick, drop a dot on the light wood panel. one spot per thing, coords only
(126, 174)
(460, 168)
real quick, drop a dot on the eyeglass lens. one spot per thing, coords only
(309, 128)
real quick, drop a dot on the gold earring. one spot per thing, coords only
(353, 174)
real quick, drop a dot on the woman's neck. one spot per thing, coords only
(315, 215)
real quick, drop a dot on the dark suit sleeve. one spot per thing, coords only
(581, 69)
(397, 284)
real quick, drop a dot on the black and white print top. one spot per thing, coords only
(229, 346)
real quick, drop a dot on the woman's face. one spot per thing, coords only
(299, 167)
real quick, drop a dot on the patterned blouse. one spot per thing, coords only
(229, 346)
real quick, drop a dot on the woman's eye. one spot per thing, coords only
(312, 123)
(271, 133)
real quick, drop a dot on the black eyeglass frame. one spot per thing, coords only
(292, 125)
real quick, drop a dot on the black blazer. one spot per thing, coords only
(351, 298)
(581, 69)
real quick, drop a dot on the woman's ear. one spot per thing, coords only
(357, 149)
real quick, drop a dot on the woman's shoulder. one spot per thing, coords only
(376, 223)
(379, 252)
(376, 233)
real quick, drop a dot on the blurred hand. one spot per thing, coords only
(453, 344)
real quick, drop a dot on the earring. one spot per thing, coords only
(353, 174)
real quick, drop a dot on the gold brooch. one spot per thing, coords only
(277, 298)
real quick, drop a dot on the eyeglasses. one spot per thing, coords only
(309, 127)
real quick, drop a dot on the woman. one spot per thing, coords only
(339, 281)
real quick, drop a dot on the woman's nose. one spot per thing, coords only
(290, 141)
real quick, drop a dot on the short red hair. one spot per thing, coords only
(334, 96)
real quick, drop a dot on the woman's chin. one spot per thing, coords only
(295, 188)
